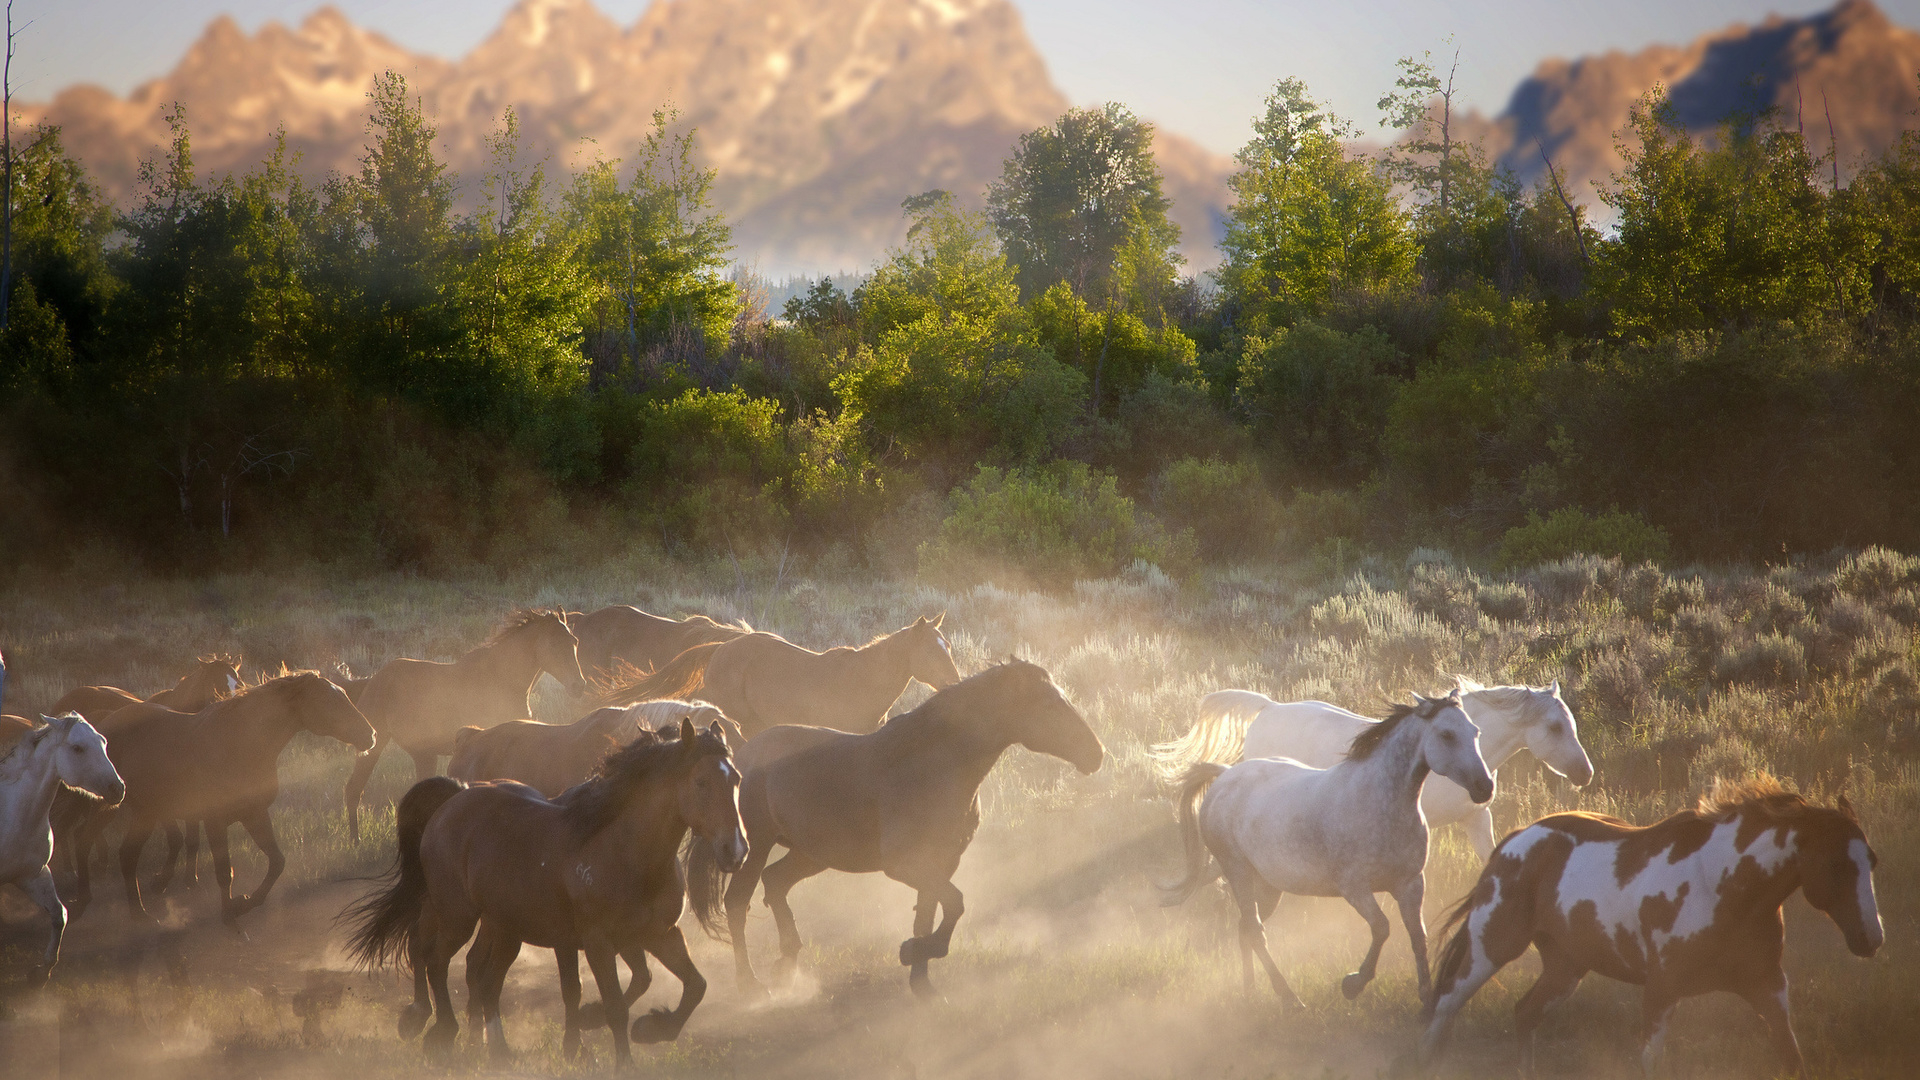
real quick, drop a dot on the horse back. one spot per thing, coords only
(1313, 732)
(92, 702)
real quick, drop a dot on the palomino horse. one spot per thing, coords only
(63, 751)
(1239, 724)
(421, 703)
(213, 678)
(761, 680)
(550, 758)
(623, 636)
(1683, 907)
(902, 800)
(1277, 826)
(598, 873)
(218, 767)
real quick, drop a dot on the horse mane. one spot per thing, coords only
(11, 759)
(1762, 794)
(520, 617)
(1507, 697)
(593, 805)
(961, 695)
(1373, 735)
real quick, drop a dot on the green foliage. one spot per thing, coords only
(709, 467)
(1319, 399)
(1571, 531)
(1050, 525)
(1115, 349)
(1228, 506)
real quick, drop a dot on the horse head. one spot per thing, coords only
(1554, 738)
(80, 757)
(213, 678)
(710, 793)
(1836, 873)
(323, 708)
(930, 654)
(1047, 723)
(557, 649)
(1450, 742)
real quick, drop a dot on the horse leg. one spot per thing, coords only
(415, 1016)
(446, 931)
(1408, 898)
(917, 950)
(568, 961)
(1770, 1001)
(259, 825)
(1369, 908)
(1256, 900)
(498, 958)
(1558, 979)
(130, 848)
(82, 836)
(593, 1015)
(425, 763)
(738, 897)
(40, 888)
(1656, 1010)
(363, 765)
(780, 878)
(190, 859)
(1489, 945)
(606, 975)
(1479, 826)
(660, 1025)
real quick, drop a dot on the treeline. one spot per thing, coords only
(1401, 349)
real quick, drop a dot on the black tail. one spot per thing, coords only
(1200, 865)
(1451, 964)
(383, 923)
(706, 886)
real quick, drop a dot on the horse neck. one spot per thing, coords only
(1397, 765)
(506, 666)
(1503, 729)
(253, 721)
(875, 671)
(968, 753)
(650, 826)
(28, 798)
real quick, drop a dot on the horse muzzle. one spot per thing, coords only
(730, 854)
(115, 795)
(1581, 775)
(1481, 792)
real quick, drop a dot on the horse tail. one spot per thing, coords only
(384, 922)
(681, 676)
(706, 886)
(1200, 865)
(1451, 964)
(1218, 734)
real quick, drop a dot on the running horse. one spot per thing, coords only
(622, 636)
(211, 679)
(1275, 826)
(420, 704)
(598, 872)
(62, 751)
(218, 767)
(762, 680)
(550, 758)
(1683, 907)
(902, 801)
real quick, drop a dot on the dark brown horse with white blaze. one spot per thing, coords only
(420, 704)
(902, 801)
(218, 767)
(1683, 907)
(598, 871)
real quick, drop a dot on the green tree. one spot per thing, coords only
(61, 222)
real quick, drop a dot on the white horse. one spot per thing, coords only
(64, 750)
(1276, 826)
(1240, 724)
(623, 723)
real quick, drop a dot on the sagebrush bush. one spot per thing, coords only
(1876, 574)
(1769, 661)
(1507, 601)
(1049, 525)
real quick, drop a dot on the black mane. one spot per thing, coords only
(593, 805)
(1369, 740)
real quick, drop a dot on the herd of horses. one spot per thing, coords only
(704, 747)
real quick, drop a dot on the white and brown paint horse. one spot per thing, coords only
(1683, 907)
(1276, 826)
(63, 750)
(1238, 724)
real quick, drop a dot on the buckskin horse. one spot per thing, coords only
(622, 636)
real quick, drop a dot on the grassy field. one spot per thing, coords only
(1065, 964)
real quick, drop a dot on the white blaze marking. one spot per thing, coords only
(1863, 884)
(233, 682)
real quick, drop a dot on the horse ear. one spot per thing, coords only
(714, 729)
(938, 619)
(1844, 805)
(688, 733)
(1554, 689)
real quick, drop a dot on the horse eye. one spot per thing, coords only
(1449, 736)
(1553, 728)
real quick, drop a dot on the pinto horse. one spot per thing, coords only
(1682, 907)
(420, 704)
(213, 678)
(218, 767)
(622, 636)
(902, 800)
(1276, 826)
(762, 680)
(62, 751)
(598, 872)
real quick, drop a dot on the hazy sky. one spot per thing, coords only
(1200, 67)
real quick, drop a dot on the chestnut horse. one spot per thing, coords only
(40, 760)
(762, 680)
(550, 758)
(218, 767)
(623, 636)
(902, 800)
(213, 678)
(1682, 907)
(598, 872)
(421, 703)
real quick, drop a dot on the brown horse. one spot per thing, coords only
(1683, 907)
(551, 758)
(218, 767)
(421, 703)
(213, 678)
(762, 680)
(902, 801)
(599, 872)
(624, 636)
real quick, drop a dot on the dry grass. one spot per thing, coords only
(1065, 964)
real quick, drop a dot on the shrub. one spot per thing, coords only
(1572, 531)
(1770, 661)
(1566, 583)
(708, 468)
(1876, 574)
(1053, 525)
(1320, 398)
(1445, 592)
(1507, 601)
(1704, 632)
(1228, 507)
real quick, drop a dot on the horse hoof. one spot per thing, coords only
(922, 986)
(783, 970)
(655, 1027)
(439, 1041)
(753, 988)
(413, 1019)
(1353, 984)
